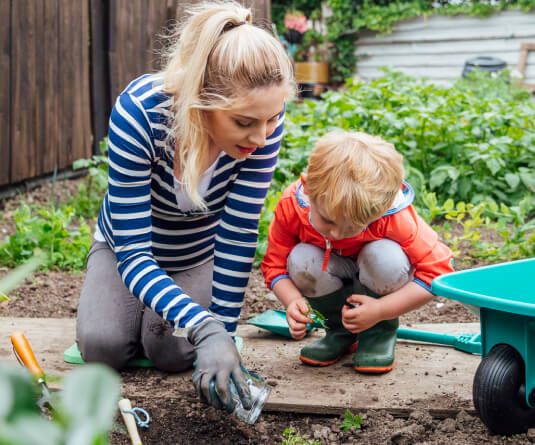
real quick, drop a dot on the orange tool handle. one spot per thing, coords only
(25, 353)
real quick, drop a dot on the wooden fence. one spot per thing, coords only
(62, 63)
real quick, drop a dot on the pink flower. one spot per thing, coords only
(296, 20)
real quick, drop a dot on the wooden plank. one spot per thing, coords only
(100, 88)
(522, 31)
(135, 39)
(154, 41)
(5, 92)
(82, 137)
(433, 73)
(48, 337)
(525, 48)
(50, 141)
(444, 60)
(74, 68)
(26, 95)
(503, 18)
(439, 48)
(423, 375)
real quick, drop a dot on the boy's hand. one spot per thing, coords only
(367, 313)
(297, 320)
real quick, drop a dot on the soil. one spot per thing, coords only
(183, 419)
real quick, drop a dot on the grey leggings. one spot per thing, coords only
(381, 266)
(114, 327)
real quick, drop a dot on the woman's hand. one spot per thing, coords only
(297, 318)
(218, 361)
(367, 313)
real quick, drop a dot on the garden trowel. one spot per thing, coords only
(25, 356)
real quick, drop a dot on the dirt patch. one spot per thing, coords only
(181, 419)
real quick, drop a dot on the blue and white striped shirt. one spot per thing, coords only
(151, 235)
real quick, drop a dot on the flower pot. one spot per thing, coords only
(311, 77)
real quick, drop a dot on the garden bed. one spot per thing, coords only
(180, 418)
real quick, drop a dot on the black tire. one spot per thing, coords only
(499, 392)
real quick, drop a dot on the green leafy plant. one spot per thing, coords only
(350, 421)
(463, 145)
(86, 404)
(317, 316)
(463, 142)
(292, 437)
(57, 232)
(91, 191)
(511, 224)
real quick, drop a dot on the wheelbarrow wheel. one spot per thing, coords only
(499, 392)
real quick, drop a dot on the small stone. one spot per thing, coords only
(463, 417)
(407, 435)
(531, 434)
(422, 417)
(447, 425)
(261, 427)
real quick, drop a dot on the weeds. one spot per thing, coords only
(292, 437)
(350, 421)
(61, 231)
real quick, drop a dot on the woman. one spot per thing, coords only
(192, 150)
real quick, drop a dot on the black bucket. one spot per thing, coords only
(483, 63)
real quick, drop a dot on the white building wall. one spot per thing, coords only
(437, 47)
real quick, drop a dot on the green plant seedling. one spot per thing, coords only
(292, 437)
(316, 316)
(350, 421)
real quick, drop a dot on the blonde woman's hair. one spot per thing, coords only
(353, 177)
(217, 57)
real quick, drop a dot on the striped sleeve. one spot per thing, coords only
(237, 234)
(131, 154)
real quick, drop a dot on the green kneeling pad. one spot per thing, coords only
(72, 355)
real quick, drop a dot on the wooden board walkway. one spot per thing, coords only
(432, 377)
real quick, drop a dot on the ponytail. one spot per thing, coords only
(217, 53)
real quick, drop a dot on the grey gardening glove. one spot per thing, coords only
(218, 362)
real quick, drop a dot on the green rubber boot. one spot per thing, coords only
(377, 345)
(338, 340)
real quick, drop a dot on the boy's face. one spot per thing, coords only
(329, 228)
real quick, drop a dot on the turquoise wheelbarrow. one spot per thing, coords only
(504, 383)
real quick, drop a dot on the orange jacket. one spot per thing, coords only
(401, 223)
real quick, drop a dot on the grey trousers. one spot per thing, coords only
(113, 326)
(381, 266)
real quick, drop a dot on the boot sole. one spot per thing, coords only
(312, 362)
(374, 369)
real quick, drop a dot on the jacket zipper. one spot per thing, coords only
(328, 248)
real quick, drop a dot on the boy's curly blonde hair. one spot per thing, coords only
(353, 177)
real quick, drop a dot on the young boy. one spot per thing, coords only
(346, 241)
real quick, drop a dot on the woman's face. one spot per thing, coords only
(240, 130)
